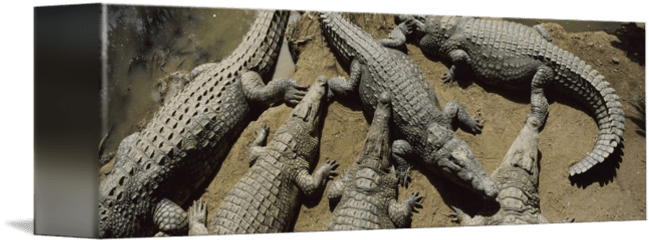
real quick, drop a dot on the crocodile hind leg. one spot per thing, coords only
(339, 87)
(170, 218)
(453, 111)
(460, 59)
(402, 149)
(310, 185)
(286, 90)
(198, 218)
(401, 214)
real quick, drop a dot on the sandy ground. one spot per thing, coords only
(614, 191)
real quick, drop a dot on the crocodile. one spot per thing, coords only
(158, 169)
(518, 180)
(423, 130)
(367, 193)
(515, 57)
(267, 198)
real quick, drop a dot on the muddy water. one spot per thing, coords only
(147, 44)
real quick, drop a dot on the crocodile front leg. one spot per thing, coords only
(170, 218)
(338, 86)
(286, 90)
(309, 185)
(453, 111)
(401, 214)
(401, 149)
(198, 219)
(397, 38)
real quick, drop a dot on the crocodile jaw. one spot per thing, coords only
(376, 150)
(307, 113)
(460, 166)
(303, 125)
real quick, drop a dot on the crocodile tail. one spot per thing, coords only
(588, 86)
(339, 32)
(265, 37)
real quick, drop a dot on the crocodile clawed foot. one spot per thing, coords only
(198, 218)
(476, 127)
(457, 215)
(568, 220)
(414, 201)
(198, 214)
(449, 76)
(294, 93)
(330, 166)
(454, 217)
(403, 177)
(263, 130)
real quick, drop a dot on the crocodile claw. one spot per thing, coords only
(414, 201)
(263, 130)
(449, 76)
(403, 177)
(476, 128)
(198, 214)
(330, 166)
(294, 93)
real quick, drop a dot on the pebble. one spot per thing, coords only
(615, 60)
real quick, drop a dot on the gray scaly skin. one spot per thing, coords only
(367, 193)
(515, 57)
(267, 198)
(423, 130)
(156, 170)
(518, 181)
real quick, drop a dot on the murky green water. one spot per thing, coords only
(148, 43)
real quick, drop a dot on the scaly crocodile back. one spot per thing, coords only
(189, 136)
(364, 205)
(504, 46)
(392, 71)
(369, 187)
(264, 200)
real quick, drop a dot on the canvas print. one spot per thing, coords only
(244, 121)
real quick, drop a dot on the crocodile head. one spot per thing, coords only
(376, 151)
(302, 130)
(452, 158)
(430, 32)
